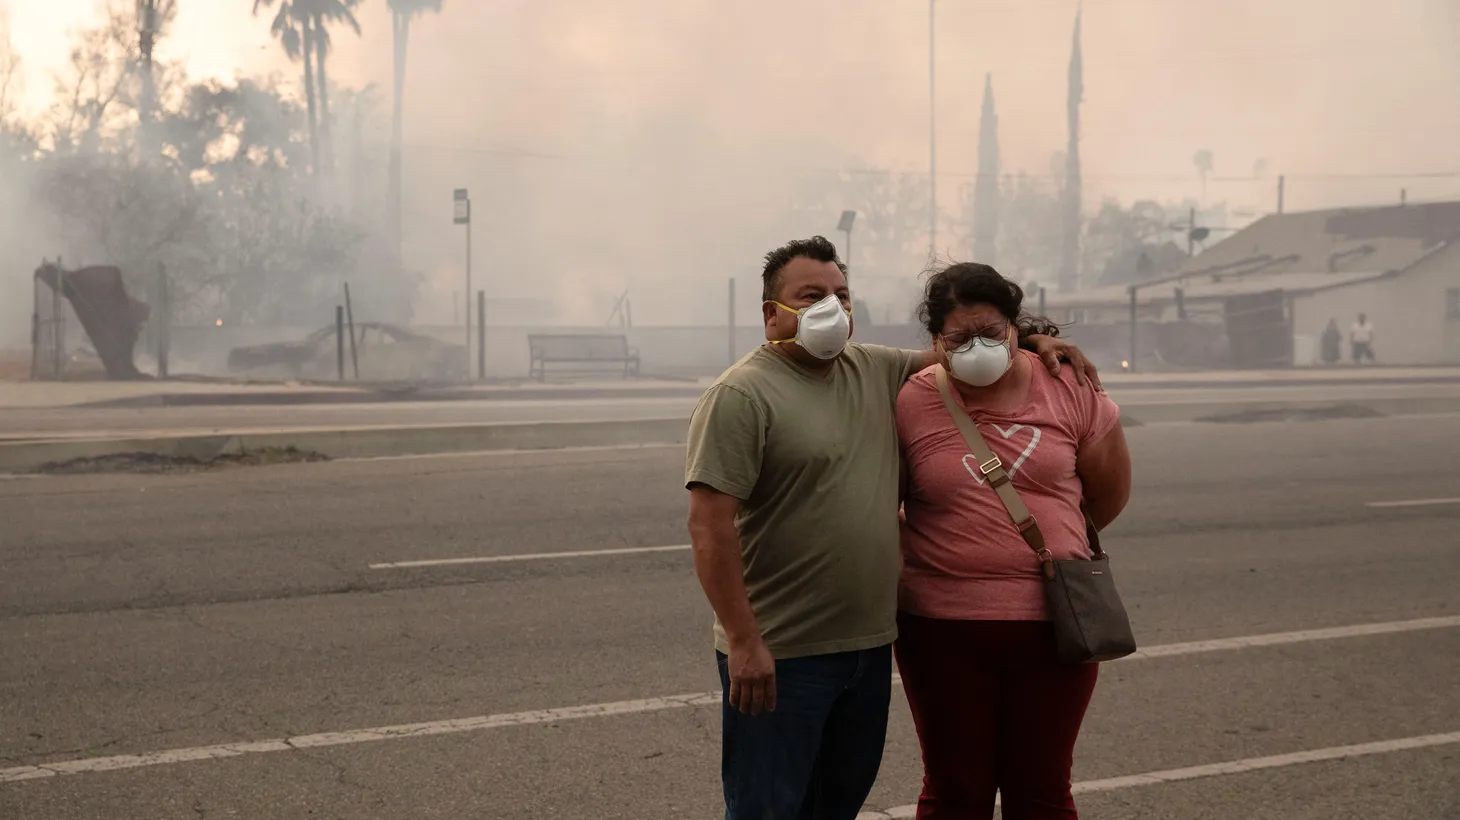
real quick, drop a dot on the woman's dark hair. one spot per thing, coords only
(962, 284)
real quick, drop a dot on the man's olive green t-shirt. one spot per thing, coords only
(814, 460)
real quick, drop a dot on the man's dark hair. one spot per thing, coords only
(971, 283)
(817, 248)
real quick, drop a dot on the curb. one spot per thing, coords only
(289, 399)
(1167, 413)
(348, 394)
(362, 442)
(29, 455)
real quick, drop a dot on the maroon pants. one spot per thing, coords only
(996, 711)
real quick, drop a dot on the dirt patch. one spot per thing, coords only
(1336, 411)
(154, 463)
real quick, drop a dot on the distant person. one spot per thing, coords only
(1332, 343)
(792, 470)
(1361, 339)
(995, 708)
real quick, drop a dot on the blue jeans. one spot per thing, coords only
(816, 756)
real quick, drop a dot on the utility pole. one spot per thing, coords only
(849, 219)
(932, 133)
(1190, 237)
(1282, 183)
(730, 320)
(147, 104)
(461, 215)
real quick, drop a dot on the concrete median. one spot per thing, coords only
(33, 455)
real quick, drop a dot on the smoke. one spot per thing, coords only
(663, 147)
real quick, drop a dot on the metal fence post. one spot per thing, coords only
(340, 339)
(482, 335)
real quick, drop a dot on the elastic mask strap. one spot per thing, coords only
(791, 310)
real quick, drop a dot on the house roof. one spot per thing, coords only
(1298, 252)
(1200, 289)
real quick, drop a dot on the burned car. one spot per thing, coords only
(385, 352)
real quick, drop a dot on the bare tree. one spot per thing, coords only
(1031, 227)
(110, 211)
(9, 71)
(100, 90)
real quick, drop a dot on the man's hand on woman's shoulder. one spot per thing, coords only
(1052, 350)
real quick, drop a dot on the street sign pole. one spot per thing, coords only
(462, 216)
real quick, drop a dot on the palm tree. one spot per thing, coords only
(1204, 163)
(291, 29)
(401, 14)
(320, 15)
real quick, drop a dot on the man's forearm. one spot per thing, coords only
(722, 576)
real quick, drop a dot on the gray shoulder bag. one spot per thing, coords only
(1090, 624)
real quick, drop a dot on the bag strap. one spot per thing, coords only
(993, 470)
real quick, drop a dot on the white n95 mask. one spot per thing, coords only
(981, 362)
(821, 329)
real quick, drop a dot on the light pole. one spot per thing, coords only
(848, 219)
(932, 132)
(461, 215)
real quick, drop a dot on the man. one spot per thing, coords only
(793, 473)
(1361, 338)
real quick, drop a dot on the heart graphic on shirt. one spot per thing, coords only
(970, 461)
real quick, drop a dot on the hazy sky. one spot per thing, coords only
(656, 125)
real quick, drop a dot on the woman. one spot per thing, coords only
(995, 710)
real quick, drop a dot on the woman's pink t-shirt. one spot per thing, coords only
(963, 559)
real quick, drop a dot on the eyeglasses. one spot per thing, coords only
(988, 335)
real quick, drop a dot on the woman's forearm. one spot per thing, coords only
(1105, 509)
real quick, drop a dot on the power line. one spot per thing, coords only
(522, 153)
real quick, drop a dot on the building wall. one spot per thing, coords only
(1407, 311)
(691, 352)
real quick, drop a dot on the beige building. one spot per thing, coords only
(1271, 289)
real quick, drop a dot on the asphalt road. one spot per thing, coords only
(152, 614)
(1158, 404)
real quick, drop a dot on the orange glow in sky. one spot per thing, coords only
(216, 38)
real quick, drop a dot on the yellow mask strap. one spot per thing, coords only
(798, 313)
(792, 310)
(802, 310)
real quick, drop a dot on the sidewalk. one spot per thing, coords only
(1292, 377)
(184, 393)
(124, 395)
(34, 436)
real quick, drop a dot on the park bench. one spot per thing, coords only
(579, 349)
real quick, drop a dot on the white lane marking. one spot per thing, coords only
(1300, 636)
(479, 723)
(323, 739)
(1415, 502)
(536, 556)
(1250, 764)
